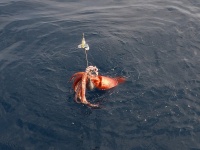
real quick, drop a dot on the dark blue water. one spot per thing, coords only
(155, 44)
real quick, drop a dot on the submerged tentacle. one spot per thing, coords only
(78, 92)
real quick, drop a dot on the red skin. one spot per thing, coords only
(106, 83)
(100, 82)
(76, 77)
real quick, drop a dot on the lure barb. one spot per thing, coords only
(84, 44)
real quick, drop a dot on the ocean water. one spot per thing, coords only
(155, 44)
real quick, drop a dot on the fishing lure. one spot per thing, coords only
(84, 44)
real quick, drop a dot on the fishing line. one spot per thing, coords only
(86, 58)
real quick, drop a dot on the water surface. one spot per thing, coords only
(154, 44)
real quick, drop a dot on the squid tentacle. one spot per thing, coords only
(83, 90)
(79, 86)
(77, 91)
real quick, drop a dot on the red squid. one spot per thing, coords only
(90, 80)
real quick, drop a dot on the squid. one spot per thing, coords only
(90, 80)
